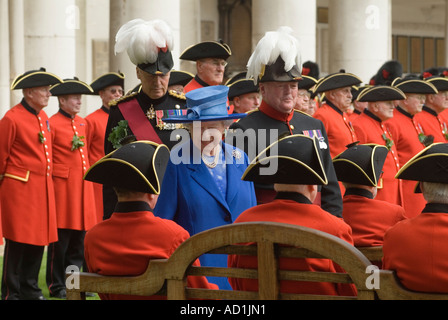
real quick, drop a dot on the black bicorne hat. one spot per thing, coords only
(34, 79)
(137, 166)
(71, 86)
(207, 49)
(107, 80)
(388, 72)
(361, 164)
(311, 69)
(295, 159)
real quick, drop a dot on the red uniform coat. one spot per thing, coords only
(75, 203)
(124, 244)
(405, 132)
(370, 129)
(339, 129)
(416, 250)
(26, 167)
(433, 124)
(95, 137)
(298, 210)
(369, 218)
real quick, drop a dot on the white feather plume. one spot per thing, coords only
(273, 45)
(142, 39)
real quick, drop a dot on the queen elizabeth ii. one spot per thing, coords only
(202, 186)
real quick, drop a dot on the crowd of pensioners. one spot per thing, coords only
(364, 161)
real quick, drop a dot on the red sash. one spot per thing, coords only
(138, 122)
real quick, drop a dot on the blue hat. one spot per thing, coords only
(207, 104)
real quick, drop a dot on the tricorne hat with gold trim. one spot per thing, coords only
(71, 86)
(207, 49)
(381, 93)
(277, 58)
(148, 45)
(429, 165)
(295, 159)
(34, 79)
(361, 164)
(107, 80)
(137, 166)
(415, 85)
(335, 81)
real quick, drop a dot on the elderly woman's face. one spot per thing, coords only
(207, 135)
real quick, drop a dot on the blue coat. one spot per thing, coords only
(190, 196)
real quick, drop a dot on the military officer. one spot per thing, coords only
(140, 115)
(109, 87)
(26, 182)
(276, 116)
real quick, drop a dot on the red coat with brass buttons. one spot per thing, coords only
(26, 183)
(75, 203)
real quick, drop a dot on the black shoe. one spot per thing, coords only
(37, 298)
(61, 294)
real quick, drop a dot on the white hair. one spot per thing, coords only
(435, 192)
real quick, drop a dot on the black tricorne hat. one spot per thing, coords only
(239, 85)
(293, 159)
(414, 85)
(307, 83)
(107, 80)
(381, 93)
(34, 79)
(180, 78)
(207, 49)
(441, 83)
(137, 166)
(71, 86)
(429, 165)
(361, 164)
(336, 81)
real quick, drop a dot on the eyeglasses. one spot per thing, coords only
(114, 91)
(217, 63)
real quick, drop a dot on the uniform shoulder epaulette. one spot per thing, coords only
(298, 111)
(177, 95)
(125, 98)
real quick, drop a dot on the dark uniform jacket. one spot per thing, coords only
(295, 123)
(152, 110)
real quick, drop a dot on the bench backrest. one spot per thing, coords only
(273, 241)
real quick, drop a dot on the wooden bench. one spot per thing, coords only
(392, 289)
(374, 254)
(273, 240)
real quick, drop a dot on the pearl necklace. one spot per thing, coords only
(215, 161)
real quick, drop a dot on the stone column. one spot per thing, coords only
(360, 36)
(50, 40)
(190, 30)
(124, 11)
(5, 100)
(300, 15)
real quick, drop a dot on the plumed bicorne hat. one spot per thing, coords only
(70, 86)
(34, 79)
(137, 166)
(441, 83)
(361, 164)
(387, 73)
(207, 49)
(335, 81)
(148, 45)
(381, 93)
(429, 165)
(435, 72)
(276, 58)
(412, 84)
(206, 104)
(108, 80)
(295, 159)
(180, 78)
(240, 85)
(311, 69)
